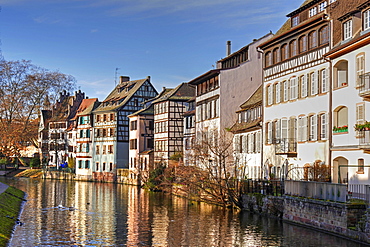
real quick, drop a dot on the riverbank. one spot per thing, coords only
(10, 206)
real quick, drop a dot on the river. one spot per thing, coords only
(65, 213)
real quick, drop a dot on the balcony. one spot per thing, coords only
(286, 146)
(364, 86)
(364, 140)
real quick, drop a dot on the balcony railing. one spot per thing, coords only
(364, 139)
(364, 87)
(286, 146)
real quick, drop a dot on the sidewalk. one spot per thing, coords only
(3, 187)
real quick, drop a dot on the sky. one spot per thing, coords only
(96, 41)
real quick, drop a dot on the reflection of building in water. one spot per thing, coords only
(138, 216)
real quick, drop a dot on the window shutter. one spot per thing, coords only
(360, 114)
(277, 92)
(304, 129)
(324, 80)
(278, 129)
(269, 133)
(324, 126)
(284, 128)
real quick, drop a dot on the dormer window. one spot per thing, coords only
(322, 6)
(366, 19)
(312, 11)
(347, 30)
(295, 21)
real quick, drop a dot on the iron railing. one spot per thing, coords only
(266, 187)
(364, 85)
(285, 146)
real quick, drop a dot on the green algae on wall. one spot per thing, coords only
(10, 206)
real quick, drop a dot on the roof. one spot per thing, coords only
(243, 127)
(205, 76)
(120, 95)
(305, 5)
(87, 106)
(182, 92)
(146, 111)
(255, 98)
(61, 110)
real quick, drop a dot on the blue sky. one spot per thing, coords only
(170, 40)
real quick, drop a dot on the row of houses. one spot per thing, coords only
(287, 102)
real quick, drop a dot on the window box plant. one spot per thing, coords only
(361, 127)
(340, 129)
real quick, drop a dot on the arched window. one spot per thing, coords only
(268, 59)
(284, 52)
(324, 35)
(276, 56)
(293, 48)
(341, 74)
(341, 118)
(303, 44)
(312, 39)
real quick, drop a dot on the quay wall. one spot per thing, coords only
(346, 220)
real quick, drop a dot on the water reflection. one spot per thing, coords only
(101, 214)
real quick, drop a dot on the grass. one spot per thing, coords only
(10, 205)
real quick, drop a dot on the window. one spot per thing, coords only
(293, 48)
(112, 117)
(323, 120)
(97, 149)
(110, 166)
(361, 166)
(80, 164)
(341, 117)
(268, 59)
(313, 83)
(313, 127)
(269, 95)
(312, 39)
(97, 166)
(104, 149)
(332, 1)
(284, 52)
(295, 21)
(110, 149)
(322, 6)
(277, 93)
(276, 56)
(304, 86)
(324, 35)
(293, 89)
(341, 74)
(104, 117)
(360, 116)
(360, 67)
(324, 80)
(347, 30)
(286, 91)
(133, 125)
(103, 169)
(302, 128)
(312, 12)
(303, 44)
(366, 19)
(269, 133)
(133, 144)
(87, 164)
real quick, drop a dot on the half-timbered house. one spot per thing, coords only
(111, 126)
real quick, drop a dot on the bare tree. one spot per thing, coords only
(216, 176)
(24, 90)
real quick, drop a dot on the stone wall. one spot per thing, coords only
(347, 220)
(59, 175)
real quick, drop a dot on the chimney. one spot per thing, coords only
(148, 77)
(124, 79)
(228, 48)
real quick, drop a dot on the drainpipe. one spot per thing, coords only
(330, 116)
(262, 110)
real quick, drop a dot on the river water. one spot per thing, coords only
(64, 213)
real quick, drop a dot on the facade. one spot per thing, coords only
(247, 137)
(62, 119)
(221, 91)
(169, 109)
(83, 136)
(111, 126)
(141, 144)
(350, 94)
(296, 93)
(189, 133)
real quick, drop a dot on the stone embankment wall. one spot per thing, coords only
(347, 220)
(59, 175)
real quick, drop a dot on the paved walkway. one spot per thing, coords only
(3, 187)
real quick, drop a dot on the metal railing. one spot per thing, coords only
(285, 145)
(364, 137)
(60, 169)
(359, 191)
(266, 187)
(364, 86)
(316, 190)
